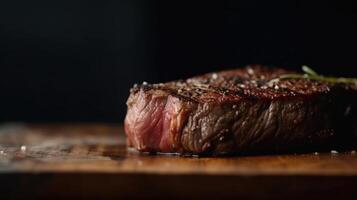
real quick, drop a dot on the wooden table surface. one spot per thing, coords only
(91, 160)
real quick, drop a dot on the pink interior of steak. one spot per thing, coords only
(154, 121)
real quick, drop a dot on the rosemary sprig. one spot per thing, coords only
(312, 75)
(309, 71)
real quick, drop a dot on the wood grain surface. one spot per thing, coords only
(91, 161)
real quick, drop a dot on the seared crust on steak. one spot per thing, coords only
(237, 111)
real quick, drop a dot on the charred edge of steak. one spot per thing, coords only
(237, 111)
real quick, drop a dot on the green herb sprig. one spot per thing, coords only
(312, 75)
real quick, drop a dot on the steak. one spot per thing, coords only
(239, 111)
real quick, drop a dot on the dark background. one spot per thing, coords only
(76, 60)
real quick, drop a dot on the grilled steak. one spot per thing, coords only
(238, 111)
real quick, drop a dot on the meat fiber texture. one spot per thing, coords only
(239, 111)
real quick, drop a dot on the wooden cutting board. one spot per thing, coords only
(91, 160)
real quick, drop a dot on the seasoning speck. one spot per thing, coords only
(214, 76)
(234, 106)
(316, 153)
(145, 83)
(250, 71)
(276, 87)
(23, 148)
(1, 152)
(334, 152)
(353, 152)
